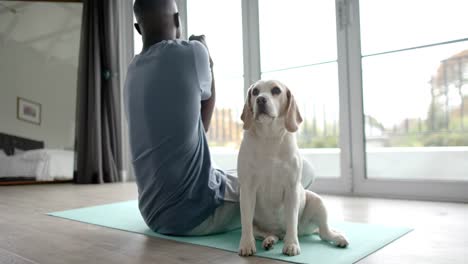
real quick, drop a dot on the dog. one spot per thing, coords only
(274, 204)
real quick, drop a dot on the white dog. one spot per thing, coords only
(274, 204)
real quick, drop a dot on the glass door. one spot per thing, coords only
(414, 88)
(298, 46)
(221, 23)
(305, 60)
(382, 86)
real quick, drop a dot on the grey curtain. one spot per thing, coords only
(98, 129)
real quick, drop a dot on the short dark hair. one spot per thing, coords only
(142, 6)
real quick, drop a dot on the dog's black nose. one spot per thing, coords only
(261, 100)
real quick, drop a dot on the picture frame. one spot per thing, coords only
(29, 111)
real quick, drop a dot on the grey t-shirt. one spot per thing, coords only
(178, 188)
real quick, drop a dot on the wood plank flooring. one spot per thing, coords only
(28, 236)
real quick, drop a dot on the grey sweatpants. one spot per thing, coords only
(227, 216)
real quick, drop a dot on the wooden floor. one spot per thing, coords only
(29, 236)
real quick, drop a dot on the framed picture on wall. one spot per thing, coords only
(29, 111)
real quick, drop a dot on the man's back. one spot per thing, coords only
(177, 186)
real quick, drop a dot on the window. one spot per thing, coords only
(415, 88)
(298, 47)
(137, 41)
(221, 23)
(382, 86)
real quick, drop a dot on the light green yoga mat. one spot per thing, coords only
(364, 238)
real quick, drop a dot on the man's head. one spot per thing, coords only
(157, 20)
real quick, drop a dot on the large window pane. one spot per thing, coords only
(221, 23)
(295, 33)
(316, 92)
(137, 41)
(397, 24)
(298, 48)
(415, 103)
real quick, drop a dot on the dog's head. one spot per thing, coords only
(270, 101)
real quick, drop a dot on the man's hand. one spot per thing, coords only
(202, 40)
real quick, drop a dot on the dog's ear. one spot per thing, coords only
(293, 118)
(247, 113)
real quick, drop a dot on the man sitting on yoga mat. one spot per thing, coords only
(169, 101)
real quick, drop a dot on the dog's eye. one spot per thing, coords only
(255, 92)
(275, 91)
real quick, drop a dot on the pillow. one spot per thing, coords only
(34, 155)
(18, 151)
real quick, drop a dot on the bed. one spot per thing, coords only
(24, 160)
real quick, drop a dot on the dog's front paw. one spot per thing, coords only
(247, 247)
(291, 249)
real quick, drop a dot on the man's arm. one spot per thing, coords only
(207, 106)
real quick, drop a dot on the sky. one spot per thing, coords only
(302, 32)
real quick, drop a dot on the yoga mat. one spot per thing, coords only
(364, 238)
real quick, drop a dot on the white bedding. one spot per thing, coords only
(42, 164)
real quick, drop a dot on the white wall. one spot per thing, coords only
(27, 73)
